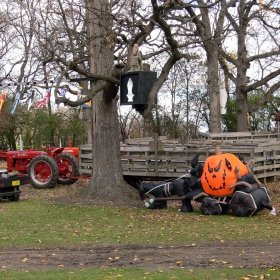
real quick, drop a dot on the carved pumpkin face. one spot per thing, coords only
(219, 174)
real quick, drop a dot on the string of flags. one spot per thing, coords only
(28, 100)
(42, 103)
(45, 82)
(12, 84)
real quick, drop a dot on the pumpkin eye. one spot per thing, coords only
(210, 170)
(228, 165)
(217, 168)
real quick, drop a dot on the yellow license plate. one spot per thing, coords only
(16, 183)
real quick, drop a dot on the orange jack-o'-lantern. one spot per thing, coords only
(219, 173)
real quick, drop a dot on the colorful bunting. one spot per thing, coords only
(29, 99)
(2, 100)
(43, 103)
(62, 94)
(80, 95)
(15, 103)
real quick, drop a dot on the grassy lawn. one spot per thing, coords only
(37, 223)
(138, 273)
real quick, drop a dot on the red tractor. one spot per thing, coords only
(3, 150)
(46, 168)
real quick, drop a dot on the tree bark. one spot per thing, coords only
(107, 183)
(213, 85)
(87, 120)
(241, 91)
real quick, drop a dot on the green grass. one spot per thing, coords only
(138, 273)
(38, 223)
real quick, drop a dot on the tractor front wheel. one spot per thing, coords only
(68, 169)
(43, 172)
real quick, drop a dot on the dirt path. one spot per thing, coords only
(228, 254)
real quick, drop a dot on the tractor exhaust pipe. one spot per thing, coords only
(20, 143)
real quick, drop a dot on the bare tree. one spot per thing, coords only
(129, 123)
(257, 30)
(210, 30)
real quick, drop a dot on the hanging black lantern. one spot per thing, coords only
(135, 87)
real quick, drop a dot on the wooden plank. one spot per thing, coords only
(85, 156)
(266, 149)
(133, 157)
(269, 143)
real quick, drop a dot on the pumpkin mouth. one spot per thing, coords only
(214, 176)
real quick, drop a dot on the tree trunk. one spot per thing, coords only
(87, 120)
(241, 81)
(241, 99)
(106, 182)
(213, 85)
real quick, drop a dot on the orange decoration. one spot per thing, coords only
(219, 173)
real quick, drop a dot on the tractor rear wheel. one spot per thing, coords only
(68, 169)
(43, 172)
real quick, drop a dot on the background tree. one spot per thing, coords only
(129, 124)
(256, 31)
(210, 30)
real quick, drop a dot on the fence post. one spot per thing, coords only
(156, 152)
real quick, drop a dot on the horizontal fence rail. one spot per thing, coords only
(159, 158)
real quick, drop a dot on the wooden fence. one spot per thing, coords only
(159, 158)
